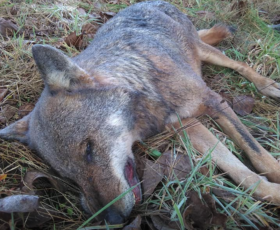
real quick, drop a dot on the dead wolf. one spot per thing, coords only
(142, 69)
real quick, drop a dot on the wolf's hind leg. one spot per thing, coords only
(215, 35)
(263, 161)
(204, 141)
(265, 85)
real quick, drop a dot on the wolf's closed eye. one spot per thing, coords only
(89, 151)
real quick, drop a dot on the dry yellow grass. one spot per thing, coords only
(42, 21)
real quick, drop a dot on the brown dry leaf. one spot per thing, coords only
(134, 225)
(105, 16)
(114, 2)
(169, 165)
(96, 17)
(243, 105)
(222, 194)
(239, 6)
(14, 10)
(206, 15)
(19, 203)
(179, 165)
(82, 11)
(7, 27)
(31, 176)
(89, 29)
(4, 220)
(38, 217)
(160, 224)
(3, 176)
(25, 109)
(204, 170)
(3, 93)
(203, 214)
(98, 5)
(74, 40)
(153, 174)
(7, 113)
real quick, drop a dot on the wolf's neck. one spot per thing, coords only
(150, 116)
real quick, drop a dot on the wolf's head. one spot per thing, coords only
(84, 132)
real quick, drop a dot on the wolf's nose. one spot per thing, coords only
(113, 217)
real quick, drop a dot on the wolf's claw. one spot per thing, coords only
(270, 88)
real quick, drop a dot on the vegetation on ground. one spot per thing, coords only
(192, 194)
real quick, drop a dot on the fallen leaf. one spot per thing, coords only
(14, 10)
(89, 29)
(3, 176)
(98, 5)
(4, 220)
(239, 6)
(74, 40)
(202, 214)
(25, 109)
(114, 2)
(204, 170)
(169, 165)
(96, 17)
(206, 15)
(134, 225)
(276, 19)
(19, 203)
(153, 174)
(223, 194)
(82, 11)
(31, 176)
(7, 28)
(7, 113)
(243, 105)
(3, 93)
(38, 217)
(105, 16)
(175, 166)
(160, 224)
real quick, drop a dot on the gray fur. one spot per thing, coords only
(140, 71)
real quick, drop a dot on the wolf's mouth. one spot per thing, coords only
(132, 179)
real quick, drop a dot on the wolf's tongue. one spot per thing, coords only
(133, 180)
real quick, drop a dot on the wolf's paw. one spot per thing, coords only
(270, 88)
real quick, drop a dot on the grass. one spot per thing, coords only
(253, 42)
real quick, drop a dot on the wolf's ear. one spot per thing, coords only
(57, 70)
(17, 131)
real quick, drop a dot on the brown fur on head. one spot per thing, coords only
(141, 71)
(85, 135)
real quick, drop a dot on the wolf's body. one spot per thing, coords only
(141, 70)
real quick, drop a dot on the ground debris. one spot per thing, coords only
(202, 212)
(169, 165)
(243, 105)
(134, 225)
(7, 27)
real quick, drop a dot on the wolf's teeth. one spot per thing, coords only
(134, 200)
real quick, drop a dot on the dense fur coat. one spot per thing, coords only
(140, 72)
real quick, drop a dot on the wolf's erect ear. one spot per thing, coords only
(17, 131)
(57, 70)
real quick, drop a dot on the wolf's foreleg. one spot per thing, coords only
(204, 141)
